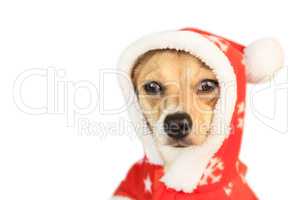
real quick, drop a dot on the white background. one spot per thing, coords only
(41, 157)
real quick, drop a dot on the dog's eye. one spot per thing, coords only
(207, 85)
(153, 88)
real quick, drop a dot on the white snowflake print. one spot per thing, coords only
(228, 189)
(148, 184)
(241, 107)
(214, 165)
(223, 46)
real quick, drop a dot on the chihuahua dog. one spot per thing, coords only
(188, 100)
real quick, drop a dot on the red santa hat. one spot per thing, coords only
(234, 64)
(262, 58)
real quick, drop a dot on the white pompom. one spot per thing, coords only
(263, 58)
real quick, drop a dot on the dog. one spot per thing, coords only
(177, 93)
(185, 91)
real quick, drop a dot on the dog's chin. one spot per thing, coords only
(170, 151)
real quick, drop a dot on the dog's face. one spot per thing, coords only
(177, 93)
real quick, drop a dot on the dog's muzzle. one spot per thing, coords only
(178, 125)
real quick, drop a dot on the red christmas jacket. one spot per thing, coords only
(143, 183)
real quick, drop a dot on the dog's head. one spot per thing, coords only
(177, 93)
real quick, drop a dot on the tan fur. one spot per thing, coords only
(180, 73)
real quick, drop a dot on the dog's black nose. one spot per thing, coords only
(178, 125)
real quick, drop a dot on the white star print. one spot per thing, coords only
(240, 123)
(224, 47)
(241, 108)
(228, 189)
(148, 184)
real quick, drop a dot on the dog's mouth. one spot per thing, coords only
(179, 144)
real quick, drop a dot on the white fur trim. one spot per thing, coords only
(119, 198)
(263, 58)
(186, 170)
